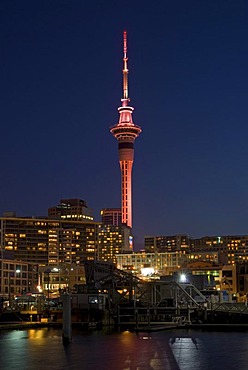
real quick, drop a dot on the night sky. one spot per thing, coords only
(61, 85)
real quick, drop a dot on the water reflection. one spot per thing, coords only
(189, 353)
(178, 350)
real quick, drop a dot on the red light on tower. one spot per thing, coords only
(125, 131)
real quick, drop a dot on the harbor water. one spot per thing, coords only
(165, 350)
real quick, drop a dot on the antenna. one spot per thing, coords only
(125, 43)
(125, 69)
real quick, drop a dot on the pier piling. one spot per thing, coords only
(66, 333)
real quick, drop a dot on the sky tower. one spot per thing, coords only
(126, 132)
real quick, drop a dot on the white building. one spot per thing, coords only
(148, 264)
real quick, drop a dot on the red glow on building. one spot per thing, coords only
(125, 131)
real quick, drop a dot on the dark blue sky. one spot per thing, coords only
(61, 84)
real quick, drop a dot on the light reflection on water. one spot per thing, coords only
(188, 351)
(170, 350)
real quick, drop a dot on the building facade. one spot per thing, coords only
(204, 256)
(64, 277)
(17, 277)
(111, 216)
(164, 243)
(45, 241)
(71, 209)
(52, 242)
(142, 263)
(233, 247)
(242, 280)
(230, 249)
(112, 241)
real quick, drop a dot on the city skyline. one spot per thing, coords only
(61, 83)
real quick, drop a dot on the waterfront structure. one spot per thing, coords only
(17, 277)
(150, 264)
(242, 280)
(71, 209)
(228, 279)
(225, 276)
(111, 216)
(125, 131)
(62, 278)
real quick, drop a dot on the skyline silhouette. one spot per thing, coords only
(61, 85)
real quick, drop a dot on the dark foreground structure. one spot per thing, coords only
(112, 297)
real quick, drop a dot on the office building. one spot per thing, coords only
(17, 277)
(46, 241)
(71, 209)
(167, 243)
(64, 277)
(51, 242)
(113, 240)
(150, 264)
(234, 248)
(111, 216)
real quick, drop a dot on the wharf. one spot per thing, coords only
(153, 327)
(203, 327)
(218, 327)
(148, 326)
(11, 325)
(27, 324)
(149, 329)
(18, 325)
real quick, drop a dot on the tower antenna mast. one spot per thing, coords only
(125, 68)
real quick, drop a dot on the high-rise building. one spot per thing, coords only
(229, 249)
(47, 241)
(167, 243)
(111, 216)
(52, 242)
(113, 240)
(234, 247)
(125, 131)
(71, 209)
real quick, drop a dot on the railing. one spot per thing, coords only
(240, 308)
(152, 315)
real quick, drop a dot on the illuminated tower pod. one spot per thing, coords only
(126, 132)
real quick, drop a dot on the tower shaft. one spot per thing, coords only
(126, 191)
(125, 131)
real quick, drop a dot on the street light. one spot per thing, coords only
(57, 270)
(183, 278)
(68, 279)
(48, 282)
(11, 274)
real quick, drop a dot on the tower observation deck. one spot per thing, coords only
(125, 131)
